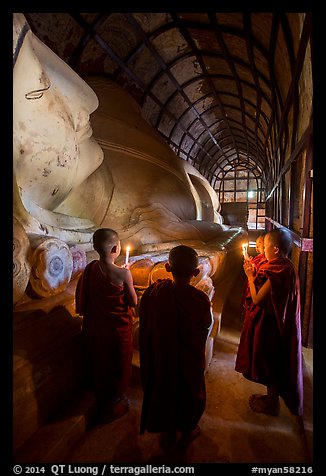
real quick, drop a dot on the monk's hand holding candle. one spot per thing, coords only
(249, 268)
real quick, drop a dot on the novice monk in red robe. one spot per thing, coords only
(270, 349)
(104, 297)
(174, 320)
(260, 257)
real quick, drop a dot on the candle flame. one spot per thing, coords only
(127, 254)
(245, 249)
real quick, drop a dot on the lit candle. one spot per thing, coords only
(245, 250)
(127, 254)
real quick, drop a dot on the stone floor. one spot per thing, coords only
(230, 431)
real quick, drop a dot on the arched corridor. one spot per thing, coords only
(231, 94)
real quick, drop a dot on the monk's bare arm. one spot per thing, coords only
(129, 288)
(261, 295)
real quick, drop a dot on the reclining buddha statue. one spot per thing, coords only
(84, 157)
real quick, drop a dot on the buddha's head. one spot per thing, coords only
(53, 147)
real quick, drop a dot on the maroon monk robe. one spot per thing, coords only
(270, 350)
(258, 260)
(107, 329)
(173, 326)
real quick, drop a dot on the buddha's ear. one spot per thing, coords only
(30, 77)
(168, 267)
(196, 272)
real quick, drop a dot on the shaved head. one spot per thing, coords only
(104, 239)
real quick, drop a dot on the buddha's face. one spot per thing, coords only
(52, 138)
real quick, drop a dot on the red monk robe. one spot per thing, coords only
(258, 260)
(174, 321)
(107, 328)
(269, 351)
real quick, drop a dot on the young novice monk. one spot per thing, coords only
(260, 257)
(104, 296)
(174, 319)
(270, 350)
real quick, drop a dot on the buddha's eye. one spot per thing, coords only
(37, 93)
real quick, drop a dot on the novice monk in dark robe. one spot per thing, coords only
(270, 349)
(174, 320)
(104, 297)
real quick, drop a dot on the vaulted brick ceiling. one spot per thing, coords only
(217, 86)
